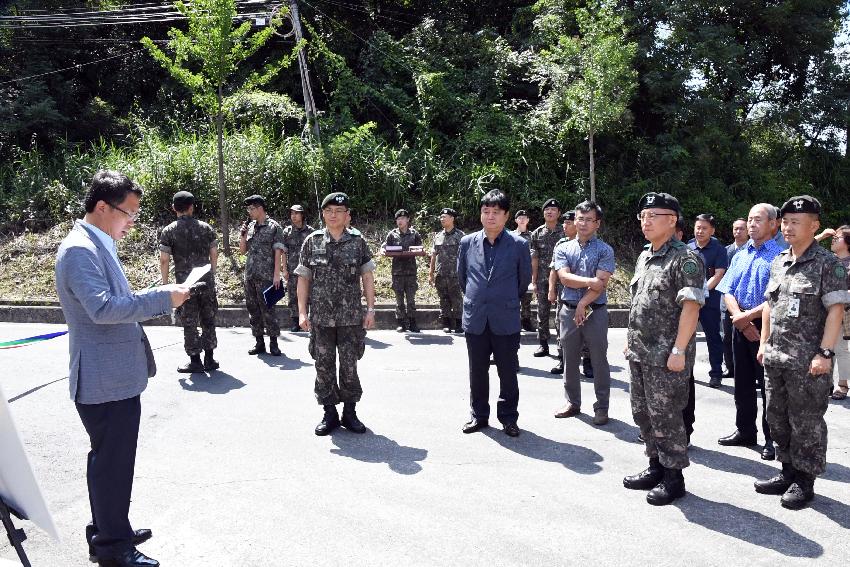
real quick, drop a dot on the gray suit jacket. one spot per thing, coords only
(111, 358)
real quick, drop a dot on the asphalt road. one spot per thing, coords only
(229, 472)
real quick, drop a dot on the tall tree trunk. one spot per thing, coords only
(222, 190)
(590, 150)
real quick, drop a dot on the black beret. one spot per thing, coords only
(569, 215)
(402, 213)
(521, 213)
(183, 197)
(255, 200)
(551, 203)
(448, 211)
(801, 204)
(338, 198)
(296, 209)
(660, 201)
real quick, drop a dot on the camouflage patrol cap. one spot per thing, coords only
(521, 213)
(660, 201)
(255, 200)
(402, 213)
(801, 204)
(182, 200)
(296, 209)
(448, 211)
(339, 198)
(551, 203)
(568, 216)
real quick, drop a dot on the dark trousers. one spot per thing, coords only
(113, 429)
(749, 376)
(728, 356)
(709, 318)
(504, 349)
(688, 415)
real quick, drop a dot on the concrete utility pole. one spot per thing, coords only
(306, 88)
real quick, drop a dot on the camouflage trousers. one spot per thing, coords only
(198, 311)
(796, 404)
(350, 342)
(544, 311)
(658, 398)
(405, 292)
(451, 298)
(292, 295)
(525, 306)
(259, 314)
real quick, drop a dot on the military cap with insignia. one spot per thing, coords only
(402, 213)
(659, 201)
(568, 216)
(521, 213)
(801, 204)
(296, 209)
(551, 203)
(449, 211)
(339, 198)
(255, 200)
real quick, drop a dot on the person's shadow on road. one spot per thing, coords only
(836, 511)
(423, 339)
(730, 463)
(215, 382)
(574, 457)
(371, 448)
(375, 343)
(748, 526)
(283, 362)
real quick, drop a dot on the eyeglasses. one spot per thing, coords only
(132, 216)
(582, 220)
(651, 216)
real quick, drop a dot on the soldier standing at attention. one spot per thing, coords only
(192, 244)
(543, 241)
(568, 225)
(404, 271)
(801, 324)
(521, 218)
(262, 239)
(667, 293)
(293, 238)
(443, 273)
(334, 262)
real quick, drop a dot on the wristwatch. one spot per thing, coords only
(370, 310)
(827, 353)
(675, 351)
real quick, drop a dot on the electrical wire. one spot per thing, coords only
(77, 66)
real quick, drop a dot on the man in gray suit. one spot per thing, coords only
(111, 359)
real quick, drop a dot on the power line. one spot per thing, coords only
(126, 21)
(77, 66)
(365, 11)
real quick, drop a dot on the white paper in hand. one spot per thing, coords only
(195, 275)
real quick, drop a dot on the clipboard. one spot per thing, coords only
(272, 295)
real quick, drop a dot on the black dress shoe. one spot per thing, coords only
(139, 537)
(130, 558)
(768, 453)
(475, 424)
(511, 429)
(738, 439)
(715, 382)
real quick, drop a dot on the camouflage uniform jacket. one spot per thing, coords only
(446, 246)
(403, 266)
(558, 285)
(543, 243)
(263, 240)
(188, 241)
(293, 238)
(799, 294)
(663, 280)
(846, 331)
(334, 268)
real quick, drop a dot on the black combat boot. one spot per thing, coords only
(194, 365)
(349, 418)
(329, 422)
(543, 350)
(526, 325)
(586, 367)
(559, 368)
(402, 325)
(672, 486)
(778, 484)
(294, 327)
(447, 325)
(646, 479)
(414, 327)
(801, 492)
(274, 350)
(259, 348)
(209, 362)
(459, 326)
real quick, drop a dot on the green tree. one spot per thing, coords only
(205, 59)
(590, 75)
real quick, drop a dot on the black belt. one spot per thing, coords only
(575, 305)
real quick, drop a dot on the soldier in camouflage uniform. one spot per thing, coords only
(334, 262)
(521, 218)
(661, 347)
(543, 241)
(568, 225)
(192, 244)
(801, 324)
(293, 238)
(262, 239)
(443, 273)
(404, 271)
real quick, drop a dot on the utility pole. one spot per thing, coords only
(306, 88)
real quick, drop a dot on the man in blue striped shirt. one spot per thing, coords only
(743, 287)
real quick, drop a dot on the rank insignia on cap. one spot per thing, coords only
(690, 267)
(650, 200)
(339, 199)
(798, 204)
